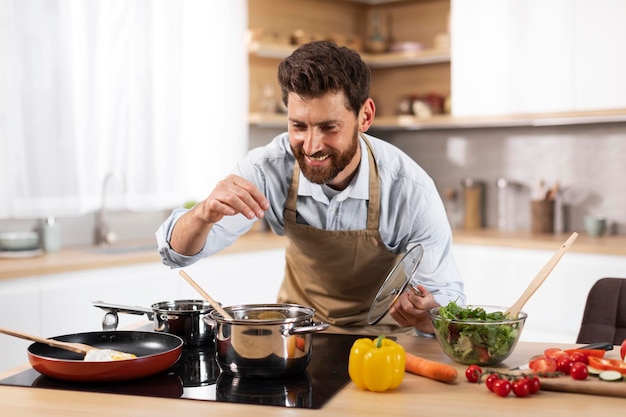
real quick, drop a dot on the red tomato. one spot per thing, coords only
(542, 364)
(490, 380)
(554, 353)
(579, 371)
(564, 364)
(483, 354)
(535, 384)
(473, 372)
(502, 387)
(579, 357)
(608, 364)
(520, 387)
(622, 350)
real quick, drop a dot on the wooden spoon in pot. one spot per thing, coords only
(514, 310)
(91, 353)
(206, 296)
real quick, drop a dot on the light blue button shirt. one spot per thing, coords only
(411, 211)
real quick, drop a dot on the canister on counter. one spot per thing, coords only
(50, 235)
(510, 198)
(542, 216)
(474, 200)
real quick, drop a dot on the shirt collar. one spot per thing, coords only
(358, 187)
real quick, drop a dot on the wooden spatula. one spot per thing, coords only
(514, 310)
(206, 296)
(91, 353)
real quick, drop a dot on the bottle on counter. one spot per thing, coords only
(50, 235)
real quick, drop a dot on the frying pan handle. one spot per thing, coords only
(314, 327)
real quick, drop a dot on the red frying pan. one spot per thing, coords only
(156, 352)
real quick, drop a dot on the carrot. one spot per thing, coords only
(430, 369)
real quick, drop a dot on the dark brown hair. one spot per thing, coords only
(319, 67)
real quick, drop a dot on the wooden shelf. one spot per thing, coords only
(397, 75)
(382, 60)
(440, 122)
(400, 59)
(270, 120)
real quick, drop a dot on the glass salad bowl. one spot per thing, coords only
(480, 334)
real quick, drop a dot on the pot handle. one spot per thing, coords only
(118, 308)
(314, 327)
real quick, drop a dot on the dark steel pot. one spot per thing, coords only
(264, 340)
(155, 352)
(182, 318)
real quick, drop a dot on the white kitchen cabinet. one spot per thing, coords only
(498, 276)
(56, 304)
(246, 278)
(19, 310)
(600, 56)
(533, 56)
(66, 298)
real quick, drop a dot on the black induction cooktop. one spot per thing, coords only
(196, 376)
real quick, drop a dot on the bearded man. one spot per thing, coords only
(350, 204)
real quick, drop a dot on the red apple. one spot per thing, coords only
(622, 351)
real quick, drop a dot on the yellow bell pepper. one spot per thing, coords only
(376, 365)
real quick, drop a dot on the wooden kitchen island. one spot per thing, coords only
(416, 396)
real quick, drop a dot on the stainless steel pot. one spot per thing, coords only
(264, 340)
(183, 318)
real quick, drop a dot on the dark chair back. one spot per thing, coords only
(604, 319)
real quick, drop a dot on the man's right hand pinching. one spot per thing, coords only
(231, 196)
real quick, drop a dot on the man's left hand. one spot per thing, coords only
(411, 310)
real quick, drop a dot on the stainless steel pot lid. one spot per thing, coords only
(395, 283)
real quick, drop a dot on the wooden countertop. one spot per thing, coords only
(415, 396)
(603, 245)
(84, 258)
(90, 257)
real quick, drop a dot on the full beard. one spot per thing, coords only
(338, 161)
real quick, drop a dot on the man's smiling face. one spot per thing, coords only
(323, 134)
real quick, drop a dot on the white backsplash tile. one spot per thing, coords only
(589, 161)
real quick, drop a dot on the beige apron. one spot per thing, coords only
(338, 272)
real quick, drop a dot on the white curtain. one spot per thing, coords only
(152, 90)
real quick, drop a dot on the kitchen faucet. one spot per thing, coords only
(103, 233)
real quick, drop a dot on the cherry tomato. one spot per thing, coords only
(564, 364)
(473, 372)
(520, 387)
(542, 364)
(490, 380)
(502, 387)
(554, 353)
(579, 371)
(483, 354)
(534, 384)
(579, 357)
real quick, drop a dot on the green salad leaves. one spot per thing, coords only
(467, 336)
